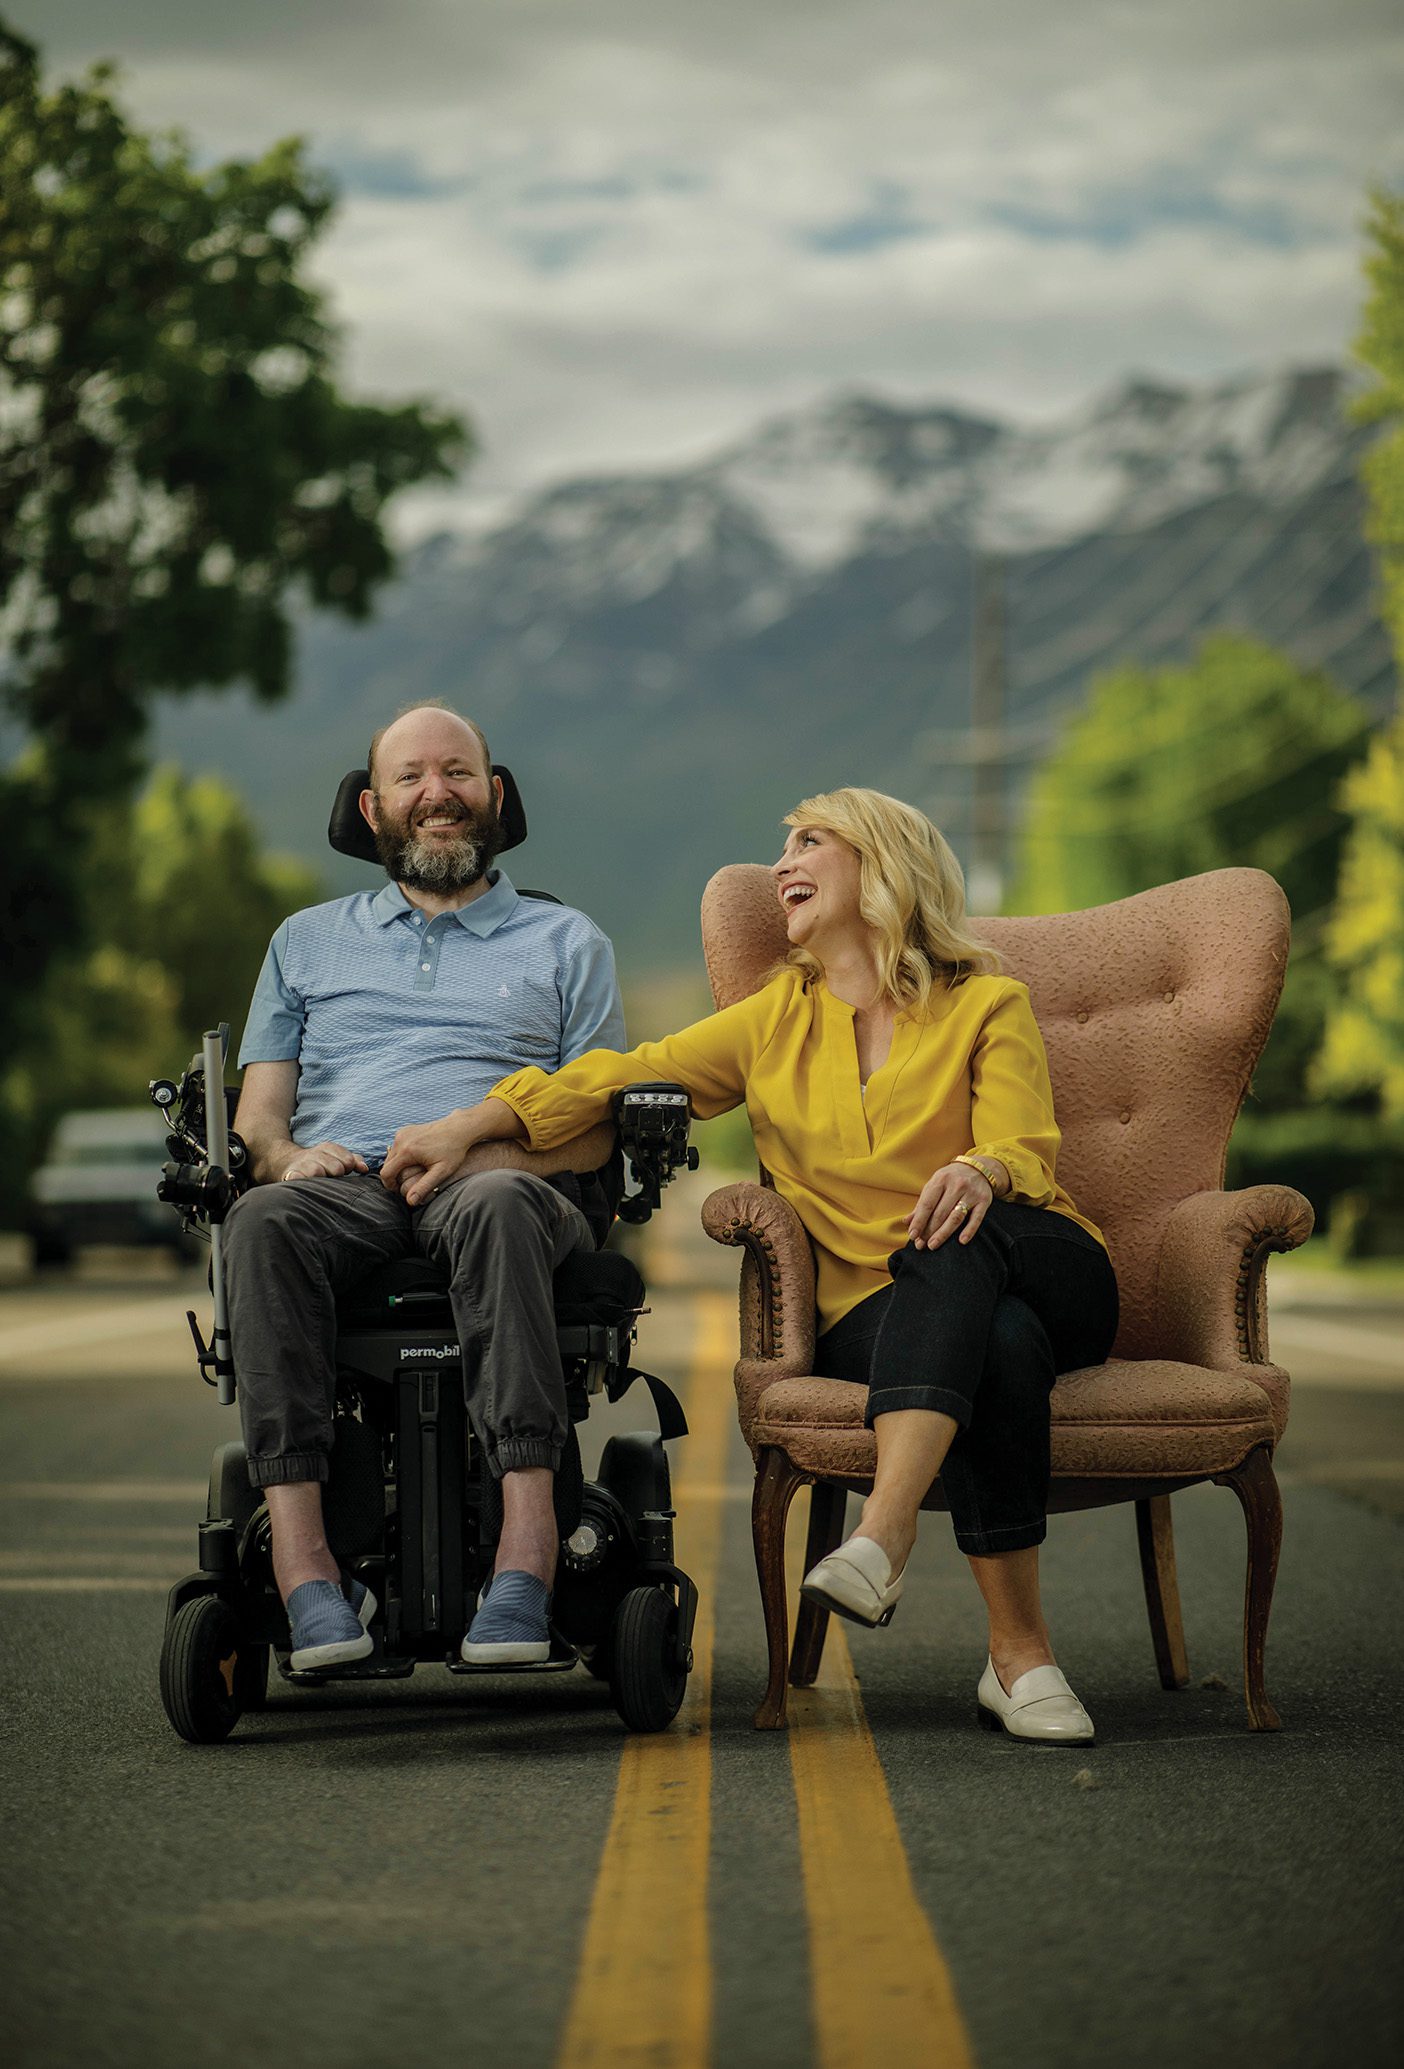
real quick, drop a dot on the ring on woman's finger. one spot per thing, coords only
(962, 1207)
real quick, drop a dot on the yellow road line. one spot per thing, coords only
(881, 1991)
(643, 1993)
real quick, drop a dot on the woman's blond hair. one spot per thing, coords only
(911, 892)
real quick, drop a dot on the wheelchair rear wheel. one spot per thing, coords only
(205, 1679)
(645, 1679)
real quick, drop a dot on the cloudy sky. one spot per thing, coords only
(617, 232)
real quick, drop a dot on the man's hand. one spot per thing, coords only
(954, 1200)
(422, 1159)
(323, 1160)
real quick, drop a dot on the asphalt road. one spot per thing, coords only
(435, 1871)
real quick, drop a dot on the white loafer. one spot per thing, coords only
(856, 1581)
(1039, 1706)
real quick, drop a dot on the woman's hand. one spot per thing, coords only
(422, 1159)
(953, 1202)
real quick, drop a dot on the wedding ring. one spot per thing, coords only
(962, 1207)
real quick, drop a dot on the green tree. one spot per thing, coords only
(1380, 347)
(185, 903)
(204, 899)
(177, 464)
(1234, 758)
(1363, 1053)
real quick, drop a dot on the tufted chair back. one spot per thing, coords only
(1154, 1012)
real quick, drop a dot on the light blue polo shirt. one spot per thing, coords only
(395, 1018)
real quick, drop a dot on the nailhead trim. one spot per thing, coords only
(1246, 1302)
(760, 1248)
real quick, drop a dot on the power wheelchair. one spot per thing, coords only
(410, 1507)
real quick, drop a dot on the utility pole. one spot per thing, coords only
(989, 747)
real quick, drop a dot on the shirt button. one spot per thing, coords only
(424, 966)
(1081, 1019)
(419, 919)
(1125, 1117)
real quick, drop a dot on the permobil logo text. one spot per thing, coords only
(428, 1350)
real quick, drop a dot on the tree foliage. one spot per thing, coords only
(1234, 758)
(1231, 758)
(177, 464)
(183, 902)
(1380, 347)
(1363, 1053)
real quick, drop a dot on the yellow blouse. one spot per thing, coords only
(971, 1075)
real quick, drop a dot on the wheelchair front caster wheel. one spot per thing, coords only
(645, 1679)
(205, 1679)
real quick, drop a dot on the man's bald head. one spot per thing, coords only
(406, 712)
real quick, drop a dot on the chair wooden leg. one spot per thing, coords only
(777, 1481)
(1255, 1484)
(826, 1512)
(1155, 1533)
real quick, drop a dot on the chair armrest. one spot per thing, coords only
(588, 1152)
(777, 1287)
(1210, 1292)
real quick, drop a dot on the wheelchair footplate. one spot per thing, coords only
(561, 1657)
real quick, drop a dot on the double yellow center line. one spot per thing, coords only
(881, 1993)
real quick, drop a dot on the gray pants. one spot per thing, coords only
(291, 1248)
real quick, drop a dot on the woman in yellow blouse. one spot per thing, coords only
(898, 1092)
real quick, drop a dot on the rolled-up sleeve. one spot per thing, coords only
(1011, 1108)
(277, 1014)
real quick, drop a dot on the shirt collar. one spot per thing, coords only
(481, 916)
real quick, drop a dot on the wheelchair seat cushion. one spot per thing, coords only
(591, 1286)
(373, 1301)
(596, 1286)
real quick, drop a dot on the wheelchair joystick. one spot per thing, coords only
(653, 1122)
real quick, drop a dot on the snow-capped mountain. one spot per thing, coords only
(670, 660)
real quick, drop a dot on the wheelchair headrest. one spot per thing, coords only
(349, 834)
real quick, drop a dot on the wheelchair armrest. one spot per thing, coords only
(588, 1152)
(777, 1288)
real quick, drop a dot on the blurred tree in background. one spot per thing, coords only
(1236, 758)
(183, 902)
(1242, 757)
(1363, 1054)
(176, 466)
(1364, 1048)
(1380, 347)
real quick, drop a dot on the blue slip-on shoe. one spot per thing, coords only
(327, 1629)
(510, 1628)
(360, 1598)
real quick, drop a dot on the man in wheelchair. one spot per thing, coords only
(372, 1013)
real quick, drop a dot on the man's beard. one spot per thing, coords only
(426, 863)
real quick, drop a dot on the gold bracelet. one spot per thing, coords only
(977, 1163)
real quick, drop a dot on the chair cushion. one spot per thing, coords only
(1125, 1419)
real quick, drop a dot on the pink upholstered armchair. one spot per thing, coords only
(1154, 1012)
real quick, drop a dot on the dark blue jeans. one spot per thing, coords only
(980, 1331)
